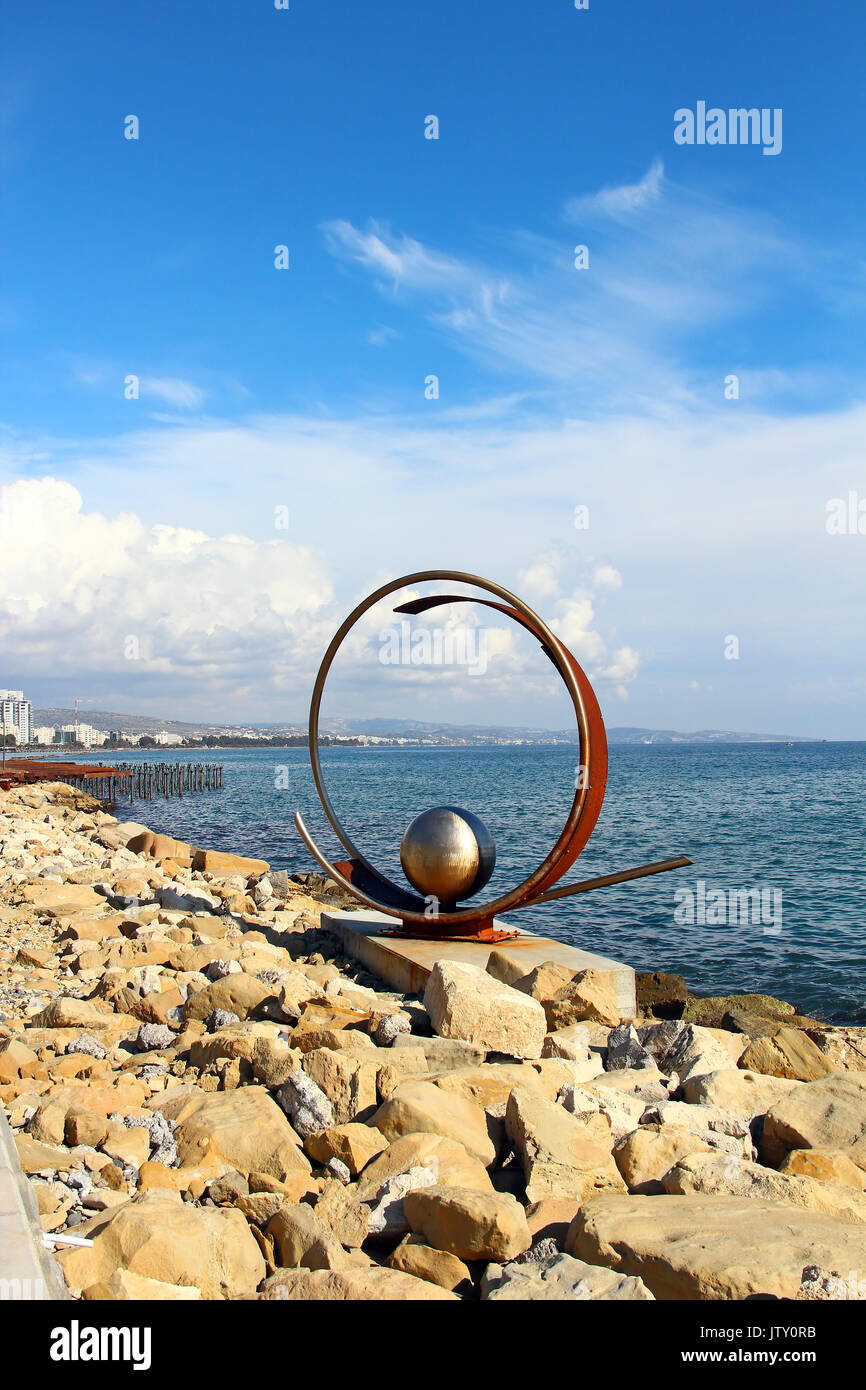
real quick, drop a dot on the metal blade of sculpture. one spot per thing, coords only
(448, 853)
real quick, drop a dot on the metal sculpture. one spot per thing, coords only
(447, 853)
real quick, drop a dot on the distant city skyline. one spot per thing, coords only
(458, 287)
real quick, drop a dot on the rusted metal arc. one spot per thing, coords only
(584, 813)
(587, 885)
(577, 687)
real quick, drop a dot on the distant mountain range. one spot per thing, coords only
(400, 728)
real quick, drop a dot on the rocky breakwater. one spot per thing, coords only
(203, 1087)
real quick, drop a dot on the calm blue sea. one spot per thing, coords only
(763, 816)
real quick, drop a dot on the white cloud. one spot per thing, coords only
(614, 336)
(174, 391)
(606, 577)
(223, 614)
(541, 579)
(717, 524)
(381, 335)
(76, 586)
(399, 259)
(622, 200)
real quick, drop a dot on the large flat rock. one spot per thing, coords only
(713, 1247)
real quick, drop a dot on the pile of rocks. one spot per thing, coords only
(225, 1106)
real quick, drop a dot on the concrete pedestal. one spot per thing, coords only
(405, 962)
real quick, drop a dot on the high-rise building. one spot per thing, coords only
(16, 715)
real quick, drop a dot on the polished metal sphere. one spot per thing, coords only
(447, 853)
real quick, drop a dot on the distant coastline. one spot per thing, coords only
(147, 731)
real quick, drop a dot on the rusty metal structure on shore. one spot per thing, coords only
(111, 782)
(438, 845)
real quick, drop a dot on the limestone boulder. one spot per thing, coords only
(747, 1093)
(573, 1043)
(244, 1128)
(455, 1167)
(125, 1287)
(587, 996)
(844, 1048)
(695, 1051)
(490, 1084)
(789, 1053)
(374, 1285)
(173, 1242)
(227, 865)
(715, 1174)
(16, 1061)
(827, 1165)
(559, 1157)
(464, 1001)
(828, 1114)
(416, 1057)
(503, 968)
(720, 1129)
(421, 1107)
(469, 1224)
(238, 994)
(414, 1256)
(301, 1238)
(607, 1115)
(712, 1247)
(65, 1012)
(560, 1279)
(34, 1156)
(644, 1156)
(348, 1078)
(62, 899)
(356, 1145)
(340, 1207)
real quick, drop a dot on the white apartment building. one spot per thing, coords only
(44, 733)
(16, 715)
(85, 733)
(165, 739)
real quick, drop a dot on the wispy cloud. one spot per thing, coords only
(666, 265)
(399, 260)
(381, 335)
(619, 201)
(185, 395)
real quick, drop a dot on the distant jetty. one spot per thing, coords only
(110, 782)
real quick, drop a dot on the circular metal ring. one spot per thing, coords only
(566, 666)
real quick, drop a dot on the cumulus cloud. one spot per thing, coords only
(607, 577)
(574, 616)
(176, 613)
(84, 591)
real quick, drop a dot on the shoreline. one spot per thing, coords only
(182, 1043)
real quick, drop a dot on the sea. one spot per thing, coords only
(775, 901)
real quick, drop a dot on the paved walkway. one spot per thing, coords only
(27, 1270)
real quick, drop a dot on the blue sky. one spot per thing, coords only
(558, 387)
